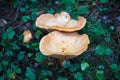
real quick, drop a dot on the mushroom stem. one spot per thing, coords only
(61, 61)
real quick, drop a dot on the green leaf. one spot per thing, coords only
(18, 70)
(100, 75)
(33, 0)
(25, 18)
(15, 68)
(9, 53)
(117, 75)
(107, 39)
(30, 74)
(82, 10)
(2, 78)
(62, 78)
(27, 45)
(5, 63)
(4, 35)
(115, 68)
(22, 9)
(101, 66)
(51, 11)
(46, 79)
(102, 49)
(38, 33)
(0, 68)
(35, 44)
(1, 54)
(29, 54)
(14, 46)
(15, 3)
(108, 51)
(66, 64)
(9, 71)
(33, 15)
(46, 73)
(74, 67)
(99, 50)
(78, 76)
(21, 37)
(9, 33)
(21, 55)
(34, 10)
(112, 27)
(103, 1)
(84, 65)
(39, 57)
(9, 29)
(68, 3)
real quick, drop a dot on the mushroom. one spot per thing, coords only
(61, 22)
(27, 36)
(63, 45)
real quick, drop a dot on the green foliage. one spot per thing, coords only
(33, 0)
(84, 65)
(9, 53)
(8, 34)
(62, 78)
(1, 78)
(103, 1)
(82, 10)
(66, 64)
(51, 11)
(33, 16)
(101, 49)
(68, 3)
(19, 61)
(39, 57)
(0, 67)
(116, 69)
(5, 63)
(15, 3)
(74, 67)
(100, 75)
(30, 74)
(78, 76)
(25, 18)
(46, 73)
(16, 69)
(21, 55)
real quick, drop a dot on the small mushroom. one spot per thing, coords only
(27, 36)
(61, 22)
(63, 45)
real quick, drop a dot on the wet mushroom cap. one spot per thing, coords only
(60, 21)
(63, 45)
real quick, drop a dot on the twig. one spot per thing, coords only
(19, 25)
(18, 9)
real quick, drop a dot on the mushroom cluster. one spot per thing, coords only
(63, 43)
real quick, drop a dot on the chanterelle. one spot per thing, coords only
(63, 45)
(61, 22)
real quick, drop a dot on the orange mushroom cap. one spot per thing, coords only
(27, 36)
(63, 45)
(61, 22)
